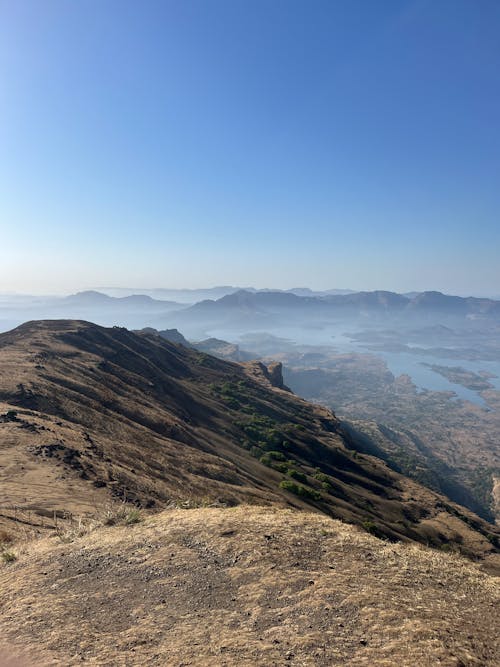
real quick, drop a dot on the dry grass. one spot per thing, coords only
(246, 586)
(5, 537)
(102, 414)
(109, 514)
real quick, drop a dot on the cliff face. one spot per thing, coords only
(275, 373)
(271, 374)
(89, 414)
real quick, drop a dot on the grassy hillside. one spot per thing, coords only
(89, 414)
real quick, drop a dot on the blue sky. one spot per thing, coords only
(268, 143)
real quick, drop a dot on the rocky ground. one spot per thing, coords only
(243, 586)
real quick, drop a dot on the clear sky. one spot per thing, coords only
(336, 143)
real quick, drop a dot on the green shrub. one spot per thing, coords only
(270, 462)
(306, 492)
(134, 516)
(299, 490)
(277, 456)
(373, 529)
(287, 485)
(202, 358)
(296, 474)
(8, 556)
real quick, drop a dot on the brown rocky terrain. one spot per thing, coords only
(89, 415)
(244, 586)
(105, 432)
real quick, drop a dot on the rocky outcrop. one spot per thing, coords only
(174, 336)
(272, 373)
(275, 375)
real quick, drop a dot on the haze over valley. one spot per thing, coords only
(418, 373)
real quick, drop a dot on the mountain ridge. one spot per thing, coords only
(116, 414)
(375, 298)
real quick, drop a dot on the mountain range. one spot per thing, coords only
(190, 296)
(245, 310)
(375, 300)
(248, 308)
(91, 298)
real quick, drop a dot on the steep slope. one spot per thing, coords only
(244, 586)
(90, 413)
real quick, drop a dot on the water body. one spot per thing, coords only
(425, 378)
(398, 363)
(411, 364)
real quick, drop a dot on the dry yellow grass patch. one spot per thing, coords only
(245, 586)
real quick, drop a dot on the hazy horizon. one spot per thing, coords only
(139, 290)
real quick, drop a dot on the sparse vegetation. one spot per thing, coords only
(297, 474)
(300, 490)
(8, 556)
(132, 517)
(115, 515)
(76, 528)
(447, 445)
(9, 416)
(372, 528)
(145, 445)
(112, 514)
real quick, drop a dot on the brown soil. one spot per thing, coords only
(244, 586)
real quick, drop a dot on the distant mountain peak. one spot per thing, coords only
(89, 295)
